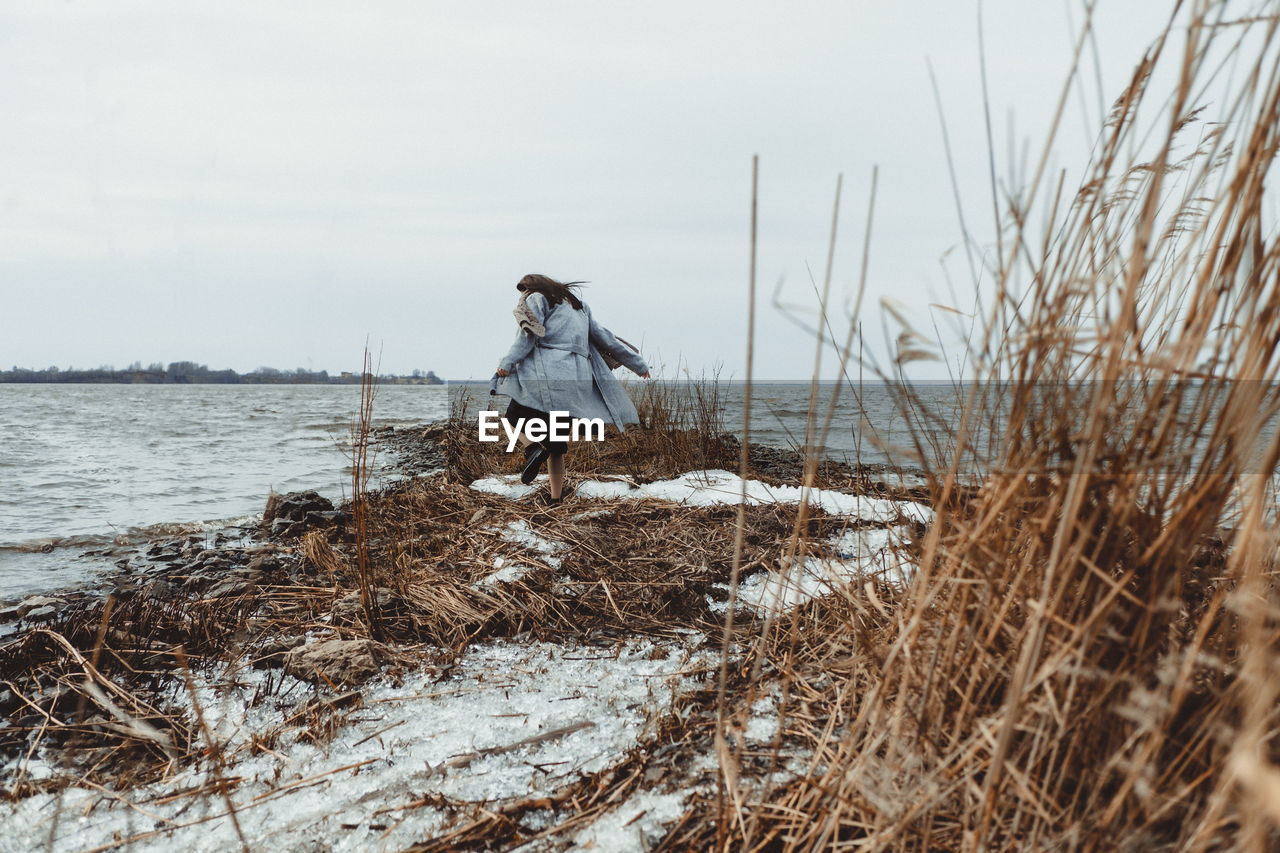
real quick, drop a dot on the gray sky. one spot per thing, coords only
(247, 183)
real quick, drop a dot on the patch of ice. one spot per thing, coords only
(636, 825)
(762, 726)
(859, 553)
(522, 534)
(514, 720)
(812, 578)
(591, 513)
(507, 486)
(505, 573)
(716, 487)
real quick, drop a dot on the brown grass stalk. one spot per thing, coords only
(1086, 656)
(360, 470)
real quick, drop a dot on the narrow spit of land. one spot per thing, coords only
(516, 676)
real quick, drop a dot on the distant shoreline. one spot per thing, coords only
(382, 380)
(190, 373)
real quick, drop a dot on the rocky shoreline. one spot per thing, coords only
(223, 563)
(229, 563)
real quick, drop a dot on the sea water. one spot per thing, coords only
(83, 466)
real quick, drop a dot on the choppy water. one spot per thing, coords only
(866, 424)
(85, 465)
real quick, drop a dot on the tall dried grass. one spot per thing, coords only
(361, 428)
(1087, 657)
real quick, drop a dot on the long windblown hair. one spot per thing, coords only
(555, 291)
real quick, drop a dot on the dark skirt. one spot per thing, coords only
(516, 411)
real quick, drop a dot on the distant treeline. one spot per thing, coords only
(190, 373)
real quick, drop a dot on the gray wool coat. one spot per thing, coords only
(563, 371)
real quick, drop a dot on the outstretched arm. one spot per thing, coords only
(603, 339)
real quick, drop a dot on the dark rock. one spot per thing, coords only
(267, 564)
(349, 606)
(417, 450)
(335, 661)
(282, 527)
(328, 518)
(124, 592)
(159, 589)
(213, 562)
(294, 506)
(228, 587)
(41, 614)
(198, 581)
(291, 515)
(36, 602)
(273, 651)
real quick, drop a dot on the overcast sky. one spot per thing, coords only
(245, 183)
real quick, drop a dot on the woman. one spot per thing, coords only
(560, 362)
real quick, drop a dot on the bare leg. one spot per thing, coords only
(522, 440)
(555, 467)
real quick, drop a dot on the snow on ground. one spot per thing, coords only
(506, 573)
(638, 824)
(859, 552)
(521, 533)
(714, 487)
(762, 726)
(509, 487)
(511, 720)
(709, 488)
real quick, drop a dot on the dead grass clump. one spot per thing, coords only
(1087, 657)
(320, 555)
(98, 684)
(620, 568)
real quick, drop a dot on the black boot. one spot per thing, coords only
(535, 455)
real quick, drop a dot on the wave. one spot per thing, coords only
(131, 536)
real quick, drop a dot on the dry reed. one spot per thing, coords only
(1087, 656)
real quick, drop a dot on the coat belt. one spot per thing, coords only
(576, 350)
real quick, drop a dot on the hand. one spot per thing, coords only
(502, 372)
